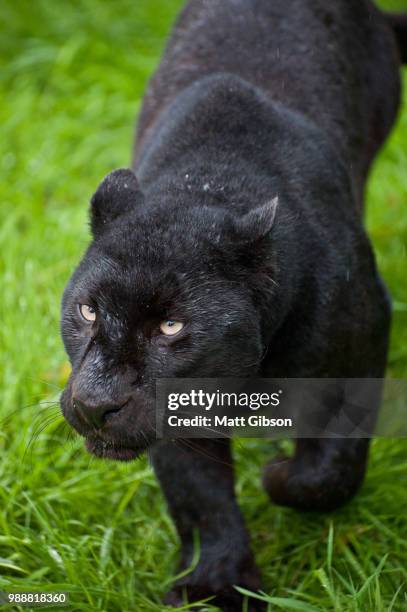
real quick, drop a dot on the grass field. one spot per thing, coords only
(71, 77)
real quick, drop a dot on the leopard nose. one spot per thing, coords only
(95, 415)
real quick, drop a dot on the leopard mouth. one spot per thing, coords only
(107, 449)
(122, 448)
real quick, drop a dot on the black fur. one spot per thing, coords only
(253, 148)
(399, 25)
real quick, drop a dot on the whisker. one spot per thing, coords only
(189, 445)
(20, 408)
(45, 382)
(51, 413)
(39, 429)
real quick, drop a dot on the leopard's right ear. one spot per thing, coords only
(118, 193)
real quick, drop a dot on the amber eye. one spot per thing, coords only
(87, 312)
(170, 328)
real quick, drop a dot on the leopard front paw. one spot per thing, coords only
(215, 583)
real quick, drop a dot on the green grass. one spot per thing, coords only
(71, 77)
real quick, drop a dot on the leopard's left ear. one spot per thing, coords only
(257, 223)
(118, 193)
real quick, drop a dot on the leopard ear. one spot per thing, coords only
(257, 223)
(118, 193)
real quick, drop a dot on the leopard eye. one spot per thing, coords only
(87, 312)
(170, 328)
